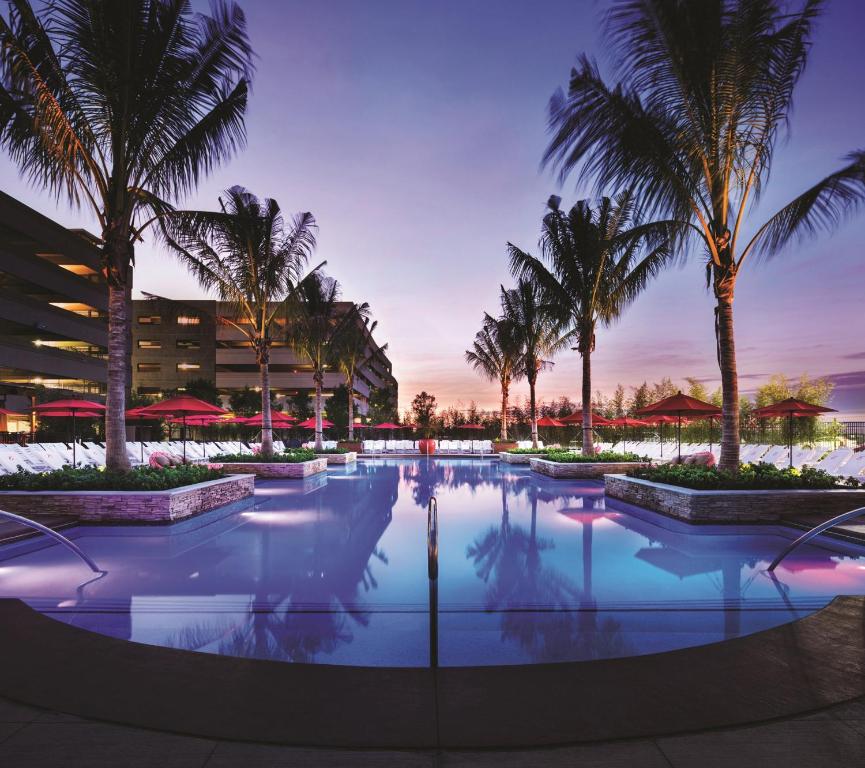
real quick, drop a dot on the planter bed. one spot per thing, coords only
(278, 468)
(582, 469)
(731, 506)
(519, 458)
(133, 506)
(338, 458)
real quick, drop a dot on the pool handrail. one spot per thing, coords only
(816, 531)
(70, 545)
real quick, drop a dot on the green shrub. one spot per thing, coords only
(94, 479)
(330, 451)
(530, 450)
(292, 456)
(569, 457)
(757, 477)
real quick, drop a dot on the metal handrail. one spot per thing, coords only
(816, 531)
(432, 538)
(70, 545)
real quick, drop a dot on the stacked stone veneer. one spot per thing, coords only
(519, 458)
(132, 506)
(279, 468)
(730, 506)
(338, 458)
(582, 469)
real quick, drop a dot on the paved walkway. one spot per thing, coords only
(35, 738)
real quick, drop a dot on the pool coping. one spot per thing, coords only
(788, 670)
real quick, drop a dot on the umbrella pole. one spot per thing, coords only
(679, 434)
(790, 430)
(73, 438)
(141, 443)
(662, 439)
(183, 427)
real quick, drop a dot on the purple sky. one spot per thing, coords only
(413, 131)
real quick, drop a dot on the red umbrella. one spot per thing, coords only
(388, 425)
(549, 421)
(182, 406)
(84, 408)
(278, 419)
(790, 407)
(310, 424)
(680, 405)
(577, 418)
(471, 426)
(660, 419)
(7, 412)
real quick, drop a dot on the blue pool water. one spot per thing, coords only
(333, 570)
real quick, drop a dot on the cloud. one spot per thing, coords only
(854, 356)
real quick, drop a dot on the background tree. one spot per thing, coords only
(538, 329)
(245, 254)
(704, 90)
(247, 401)
(382, 405)
(423, 408)
(300, 405)
(495, 353)
(336, 409)
(357, 350)
(203, 389)
(592, 267)
(121, 106)
(316, 326)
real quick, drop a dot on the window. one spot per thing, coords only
(188, 344)
(149, 320)
(188, 366)
(188, 320)
(149, 344)
(149, 367)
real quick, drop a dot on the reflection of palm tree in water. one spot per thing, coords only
(537, 602)
(309, 600)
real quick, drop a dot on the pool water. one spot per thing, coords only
(333, 569)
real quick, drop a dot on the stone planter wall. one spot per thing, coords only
(279, 468)
(730, 506)
(132, 506)
(338, 459)
(582, 470)
(519, 458)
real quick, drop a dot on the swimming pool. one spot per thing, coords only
(333, 569)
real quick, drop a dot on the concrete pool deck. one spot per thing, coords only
(784, 672)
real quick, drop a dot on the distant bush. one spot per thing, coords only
(757, 477)
(293, 456)
(330, 450)
(94, 479)
(604, 457)
(530, 450)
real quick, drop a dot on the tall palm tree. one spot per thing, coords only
(121, 106)
(496, 354)
(599, 261)
(704, 90)
(357, 350)
(246, 254)
(317, 325)
(538, 328)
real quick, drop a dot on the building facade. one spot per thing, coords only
(53, 308)
(175, 341)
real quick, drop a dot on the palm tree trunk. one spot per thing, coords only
(588, 448)
(533, 413)
(350, 383)
(729, 386)
(319, 445)
(266, 416)
(118, 356)
(503, 434)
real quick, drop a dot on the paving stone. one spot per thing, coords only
(629, 754)
(12, 712)
(230, 755)
(802, 743)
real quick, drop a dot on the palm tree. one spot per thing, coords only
(316, 327)
(704, 90)
(122, 106)
(596, 269)
(254, 262)
(538, 329)
(495, 353)
(357, 350)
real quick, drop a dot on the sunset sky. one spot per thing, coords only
(413, 131)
